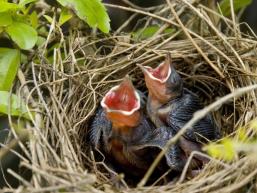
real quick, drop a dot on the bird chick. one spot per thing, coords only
(170, 104)
(164, 84)
(124, 133)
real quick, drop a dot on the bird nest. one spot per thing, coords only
(210, 53)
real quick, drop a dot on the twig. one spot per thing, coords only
(243, 182)
(183, 175)
(233, 19)
(196, 117)
(18, 177)
(193, 42)
(21, 137)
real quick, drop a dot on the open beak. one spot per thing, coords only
(122, 99)
(161, 73)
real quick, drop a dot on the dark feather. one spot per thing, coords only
(143, 98)
(174, 84)
(183, 110)
(157, 138)
(101, 134)
(100, 127)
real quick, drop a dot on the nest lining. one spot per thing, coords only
(212, 63)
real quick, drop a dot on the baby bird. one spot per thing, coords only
(170, 104)
(124, 133)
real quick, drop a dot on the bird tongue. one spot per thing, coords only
(161, 73)
(122, 98)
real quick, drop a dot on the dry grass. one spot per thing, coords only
(211, 54)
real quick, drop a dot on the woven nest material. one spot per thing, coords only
(210, 53)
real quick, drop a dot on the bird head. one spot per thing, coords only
(121, 104)
(163, 82)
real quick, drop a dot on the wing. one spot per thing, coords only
(99, 128)
(183, 110)
(158, 139)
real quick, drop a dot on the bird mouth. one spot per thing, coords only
(161, 73)
(122, 99)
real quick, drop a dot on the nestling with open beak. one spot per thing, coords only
(169, 104)
(124, 133)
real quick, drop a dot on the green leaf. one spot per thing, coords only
(91, 11)
(25, 2)
(48, 18)
(5, 6)
(12, 104)
(238, 4)
(64, 17)
(145, 33)
(226, 150)
(214, 150)
(40, 41)
(67, 3)
(253, 124)
(94, 12)
(5, 19)
(230, 151)
(241, 133)
(169, 31)
(9, 63)
(22, 34)
(33, 19)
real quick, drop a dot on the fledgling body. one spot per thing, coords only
(122, 131)
(170, 104)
